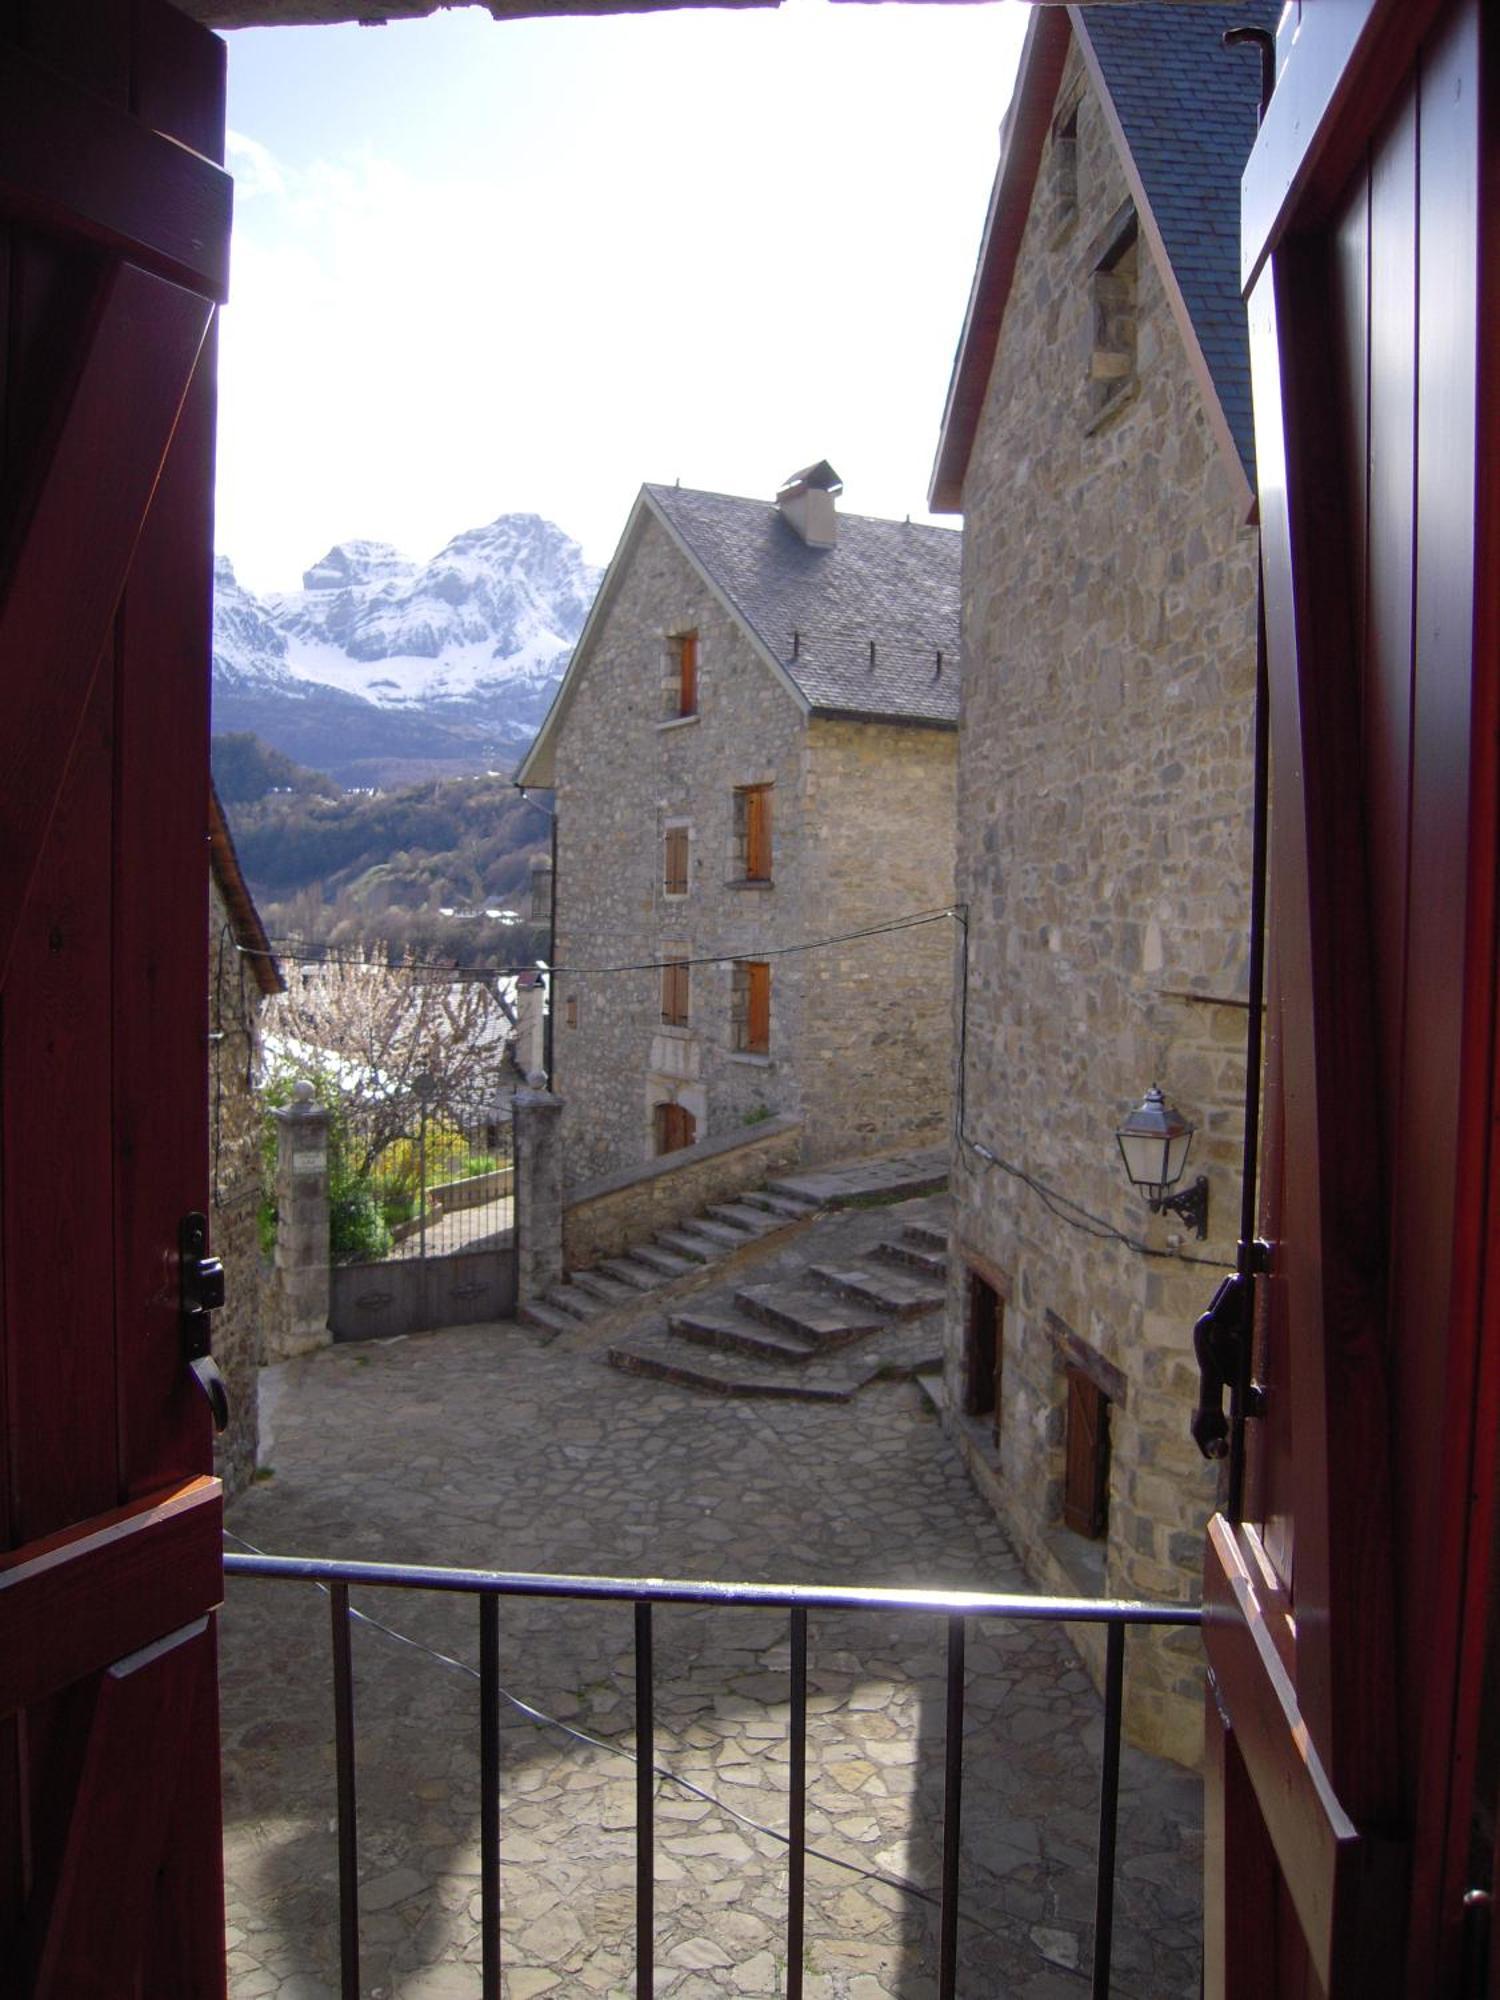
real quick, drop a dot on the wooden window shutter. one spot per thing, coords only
(1086, 1477)
(675, 1127)
(675, 864)
(758, 833)
(687, 673)
(674, 993)
(758, 1008)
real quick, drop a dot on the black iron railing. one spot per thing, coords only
(489, 1586)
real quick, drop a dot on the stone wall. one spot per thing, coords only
(607, 1216)
(859, 1035)
(1104, 839)
(235, 1188)
(878, 1042)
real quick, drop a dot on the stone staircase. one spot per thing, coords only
(673, 1254)
(817, 1337)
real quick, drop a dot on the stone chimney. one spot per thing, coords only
(806, 503)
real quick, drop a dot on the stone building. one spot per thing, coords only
(1097, 441)
(242, 975)
(754, 748)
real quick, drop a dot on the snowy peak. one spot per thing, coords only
(248, 649)
(357, 562)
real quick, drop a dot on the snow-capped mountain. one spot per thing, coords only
(380, 661)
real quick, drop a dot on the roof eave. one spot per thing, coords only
(244, 919)
(1027, 124)
(822, 712)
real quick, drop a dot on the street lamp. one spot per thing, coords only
(1154, 1144)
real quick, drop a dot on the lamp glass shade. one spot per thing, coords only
(1154, 1143)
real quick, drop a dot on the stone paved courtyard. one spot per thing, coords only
(499, 1447)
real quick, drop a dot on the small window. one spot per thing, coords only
(674, 874)
(1112, 360)
(1064, 165)
(1086, 1474)
(752, 833)
(681, 686)
(750, 1007)
(985, 1351)
(570, 1010)
(673, 1128)
(674, 993)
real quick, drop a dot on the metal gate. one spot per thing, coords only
(445, 1193)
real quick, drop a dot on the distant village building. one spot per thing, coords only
(1098, 443)
(753, 750)
(243, 974)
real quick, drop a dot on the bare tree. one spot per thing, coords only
(393, 1042)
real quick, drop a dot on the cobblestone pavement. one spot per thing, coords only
(498, 1447)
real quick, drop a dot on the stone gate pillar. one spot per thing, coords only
(300, 1322)
(537, 1117)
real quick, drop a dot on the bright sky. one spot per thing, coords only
(482, 268)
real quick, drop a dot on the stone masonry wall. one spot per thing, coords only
(624, 773)
(878, 1050)
(235, 1184)
(608, 1216)
(861, 829)
(1104, 838)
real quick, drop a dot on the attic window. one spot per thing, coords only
(752, 833)
(1113, 303)
(1064, 166)
(680, 681)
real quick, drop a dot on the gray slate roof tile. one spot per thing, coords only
(893, 583)
(1188, 106)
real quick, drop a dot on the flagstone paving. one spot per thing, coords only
(505, 1448)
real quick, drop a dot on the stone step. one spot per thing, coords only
(741, 1334)
(608, 1291)
(672, 1360)
(899, 1178)
(747, 1221)
(889, 1292)
(546, 1318)
(665, 1263)
(808, 1315)
(630, 1270)
(934, 1263)
(689, 1244)
(716, 1232)
(922, 1236)
(570, 1300)
(793, 1207)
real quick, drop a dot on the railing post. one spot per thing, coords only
(953, 1778)
(796, 1886)
(645, 1806)
(343, 1746)
(489, 1796)
(1109, 1809)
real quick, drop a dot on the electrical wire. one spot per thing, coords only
(661, 1771)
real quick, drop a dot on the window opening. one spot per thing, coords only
(1112, 362)
(675, 1127)
(752, 833)
(750, 1007)
(674, 993)
(1086, 1474)
(675, 861)
(985, 1351)
(682, 674)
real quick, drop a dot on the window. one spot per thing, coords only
(674, 1127)
(1086, 1473)
(752, 833)
(674, 993)
(1064, 166)
(680, 686)
(750, 1007)
(570, 1010)
(985, 1351)
(1112, 361)
(674, 873)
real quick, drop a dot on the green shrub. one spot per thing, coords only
(356, 1227)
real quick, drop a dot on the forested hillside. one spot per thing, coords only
(441, 868)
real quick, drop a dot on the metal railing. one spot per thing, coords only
(957, 1608)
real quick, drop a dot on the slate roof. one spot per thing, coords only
(817, 611)
(1188, 107)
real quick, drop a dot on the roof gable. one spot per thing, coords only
(1182, 110)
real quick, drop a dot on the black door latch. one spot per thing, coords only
(1220, 1340)
(201, 1292)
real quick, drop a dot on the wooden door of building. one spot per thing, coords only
(114, 217)
(1348, 1595)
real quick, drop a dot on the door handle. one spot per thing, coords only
(201, 1294)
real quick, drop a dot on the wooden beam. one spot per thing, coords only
(87, 168)
(74, 1602)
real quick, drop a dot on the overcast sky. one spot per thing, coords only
(482, 268)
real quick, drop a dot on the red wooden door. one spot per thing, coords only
(1347, 1607)
(114, 216)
